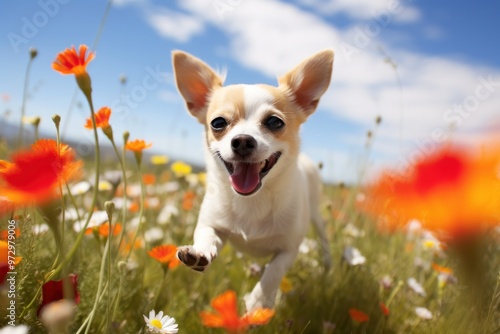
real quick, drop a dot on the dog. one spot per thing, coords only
(261, 192)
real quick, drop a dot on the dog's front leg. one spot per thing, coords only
(207, 243)
(264, 293)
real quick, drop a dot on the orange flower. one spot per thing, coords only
(166, 255)
(72, 62)
(226, 315)
(188, 200)
(4, 235)
(441, 269)
(101, 119)
(358, 316)
(149, 179)
(34, 176)
(452, 192)
(103, 229)
(137, 145)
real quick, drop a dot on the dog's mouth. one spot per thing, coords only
(246, 177)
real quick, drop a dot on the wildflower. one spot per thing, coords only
(353, 256)
(40, 228)
(4, 234)
(18, 329)
(226, 315)
(181, 169)
(104, 185)
(154, 234)
(80, 188)
(358, 315)
(103, 230)
(423, 313)
(53, 291)
(72, 62)
(98, 218)
(188, 200)
(385, 309)
(58, 316)
(386, 282)
(416, 287)
(441, 269)
(101, 119)
(137, 145)
(160, 323)
(255, 269)
(34, 176)
(4, 250)
(159, 159)
(149, 179)
(166, 255)
(286, 285)
(451, 192)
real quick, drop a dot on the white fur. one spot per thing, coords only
(274, 220)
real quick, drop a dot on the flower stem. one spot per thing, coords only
(141, 211)
(23, 104)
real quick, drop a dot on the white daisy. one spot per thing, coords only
(80, 188)
(160, 324)
(416, 287)
(353, 256)
(423, 313)
(154, 234)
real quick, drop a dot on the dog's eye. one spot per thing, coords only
(273, 123)
(218, 124)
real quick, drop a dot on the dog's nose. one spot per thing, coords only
(243, 145)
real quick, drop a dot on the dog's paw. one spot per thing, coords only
(193, 259)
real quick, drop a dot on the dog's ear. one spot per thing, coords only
(309, 80)
(195, 81)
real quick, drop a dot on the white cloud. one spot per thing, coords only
(365, 9)
(178, 26)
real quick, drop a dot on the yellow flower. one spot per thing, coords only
(181, 169)
(286, 285)
(159, 159)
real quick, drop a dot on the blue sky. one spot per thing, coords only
(445, 85)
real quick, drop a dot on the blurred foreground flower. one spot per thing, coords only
(34, 177)
(160, 323)
(226, 315)
(452, 192)
(54, 291)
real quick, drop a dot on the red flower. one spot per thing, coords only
(226, 315)
(358, 315)
(34, 176)
(385, 309)
(53, 291)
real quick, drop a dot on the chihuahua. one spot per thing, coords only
(261, 192)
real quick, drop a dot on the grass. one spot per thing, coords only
(318, 302)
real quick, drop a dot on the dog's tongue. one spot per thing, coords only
(245, 177)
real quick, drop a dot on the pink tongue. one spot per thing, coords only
(245, 177)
